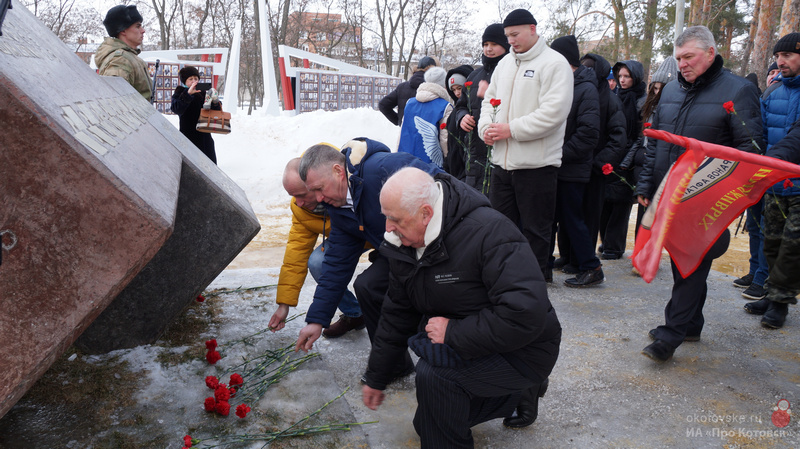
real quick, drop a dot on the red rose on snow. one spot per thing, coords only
(211, 344)
(495, 102)
(236, 380)
(213, 357)
(728, 105)
(210, 404)
(787, 184)
(187, 440)
(608, 169)
(647, 124)
(222, 393)
(223, 408)
(212, 382)
(468, 84)
(242, 410)
(201, 298)
(442, 125)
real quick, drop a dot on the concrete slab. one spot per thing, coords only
(94, 182)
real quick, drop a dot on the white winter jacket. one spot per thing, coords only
(535, 91)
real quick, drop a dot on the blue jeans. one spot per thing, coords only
(348, 305)
(754, 225)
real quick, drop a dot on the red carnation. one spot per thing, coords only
(210, 404)
(468, 84)
(442, 125)
(201, 298)
(242, 410)
(647, 124)
(211, 344)
(213, 357)
(232, 391)
(223, 408)
(212, 382)
(608, 169)
(222, 393)
(495, 102)
(187, 440)
(788, 183)
(728, 105)
(236, 380)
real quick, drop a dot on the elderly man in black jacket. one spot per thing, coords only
(693, 107)
(464, 272)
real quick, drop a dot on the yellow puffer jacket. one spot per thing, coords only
(306, 228)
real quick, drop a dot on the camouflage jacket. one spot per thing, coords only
(116, 58)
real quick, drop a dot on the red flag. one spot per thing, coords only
(704, 191)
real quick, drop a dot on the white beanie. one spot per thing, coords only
(436, 75)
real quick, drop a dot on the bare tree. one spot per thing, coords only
(762, 46)
(165, 14)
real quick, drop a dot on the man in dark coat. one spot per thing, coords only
(349, 183)
(693, 107)
(406, 90)
(467, 110)
(610, 149)
(580, 140)
(463, 270)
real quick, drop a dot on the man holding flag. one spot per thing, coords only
(693, 107)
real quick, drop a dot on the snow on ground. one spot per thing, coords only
(258, 147)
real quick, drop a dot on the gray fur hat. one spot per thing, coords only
(666, 72)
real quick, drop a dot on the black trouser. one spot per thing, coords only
(593, 196)
(570, 218)
(614, 226)
(370, 287)
(450, 401)
(528, 198)
(684, 312)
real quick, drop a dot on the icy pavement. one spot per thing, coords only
(719, 392)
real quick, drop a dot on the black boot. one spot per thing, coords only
(528, 408)
(757, 307)
(775, 315)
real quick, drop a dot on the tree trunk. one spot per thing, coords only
(748, 48)
(790, 17)
(651, 16)
(762, 47)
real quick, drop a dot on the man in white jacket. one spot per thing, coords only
(534, 86)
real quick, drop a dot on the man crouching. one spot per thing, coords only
(468, 274)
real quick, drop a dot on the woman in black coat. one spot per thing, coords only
(187, 102)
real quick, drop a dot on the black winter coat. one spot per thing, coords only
(399, 96)
(470, 104)
(611, 145)
(188, 109)
(481, 274)
(583, 128)
(695, 110)
(455, 161)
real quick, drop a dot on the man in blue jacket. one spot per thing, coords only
(349, 183)
(780, 108)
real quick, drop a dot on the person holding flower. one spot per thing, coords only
(693, 107)
(535, 85)
(468, 108)
(421, 132)
(454, 161)
(780, 108)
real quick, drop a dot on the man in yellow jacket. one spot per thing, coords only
(309, 220)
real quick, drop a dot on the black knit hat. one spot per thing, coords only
(568, 47)
(494, 33)
(187, 72)
(425, 62)
(120, 17)
(773, 66)
(789, 43)
(519, 17)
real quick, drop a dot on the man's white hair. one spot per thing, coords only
(415, 187)
(700, 35)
